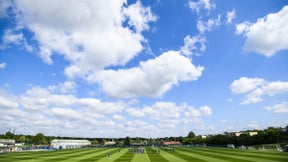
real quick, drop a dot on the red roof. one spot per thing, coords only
(171, 143)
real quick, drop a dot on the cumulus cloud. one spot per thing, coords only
(208, 25)
(268, 35)
(202, 111)
(243, 27)
(256, 88)
(48, 111)
(12, 37)
(8, 103)
(193, 45)
(278, 108)
(134, 14)
(230, 16)
(170, 111)
(4, 5)
(83, 31)
(135, 112)
(245, 84)
(151, 79)
(201, 4)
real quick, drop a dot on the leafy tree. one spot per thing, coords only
(191, 135)
(21, 138)
(127, 141)
(9, 135)
(39, 139)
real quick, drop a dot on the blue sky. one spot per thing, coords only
(142, 68)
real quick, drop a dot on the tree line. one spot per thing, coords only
(270, 135)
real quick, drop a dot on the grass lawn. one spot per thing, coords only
(181, 154)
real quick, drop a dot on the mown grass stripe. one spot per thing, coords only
(113, 156)
(71, 155)
(88, 157)
(28, 155)
(202, 157)
(239, 153)
(248, 151)
(187, 157)
(215, 155)
(141, 158)
(154, 157)
(127, 157)
(263, 153)
(172, 157)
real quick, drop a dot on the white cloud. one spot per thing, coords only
(151, 79)
(193, 45)
(278, 108)
(230, 16)
(138, 16)
(2, 65)
(268, 35)
(134, 112)
(202, 111)
(6, 102)
(256, 88)
(66, 113)
(163, 111)
(40, 98)
(119, 117)
(83, 31)
(254, 97)
(66, 87)
(11, 37)
(201, 4)
(244, 84)
(276, 88)
(100, 107)
(4, 5)
(209, 25)
(242, 27)
(14, 37)
(167, 113)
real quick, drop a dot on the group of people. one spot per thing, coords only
(156, 151)
(137, 150)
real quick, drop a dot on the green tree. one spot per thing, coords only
(127, 141)
(191, 135)
(9, 135)
(39, 139)
(21, 138)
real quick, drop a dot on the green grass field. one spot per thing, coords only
(183, 154)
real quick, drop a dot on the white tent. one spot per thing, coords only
(69, 144)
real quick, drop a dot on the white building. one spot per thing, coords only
(7, 142)
(69, 144)
(249, 133)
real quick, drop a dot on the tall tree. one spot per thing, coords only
(9, 135)
(191, 134)
(39, 139)
(127, 141)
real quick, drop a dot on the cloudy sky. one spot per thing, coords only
(150, 68)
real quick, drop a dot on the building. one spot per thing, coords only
(69, 143)
(252, 133)
(170, 143)
(7, 142)
(109, 143)
(203, 136)
(9, 145)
